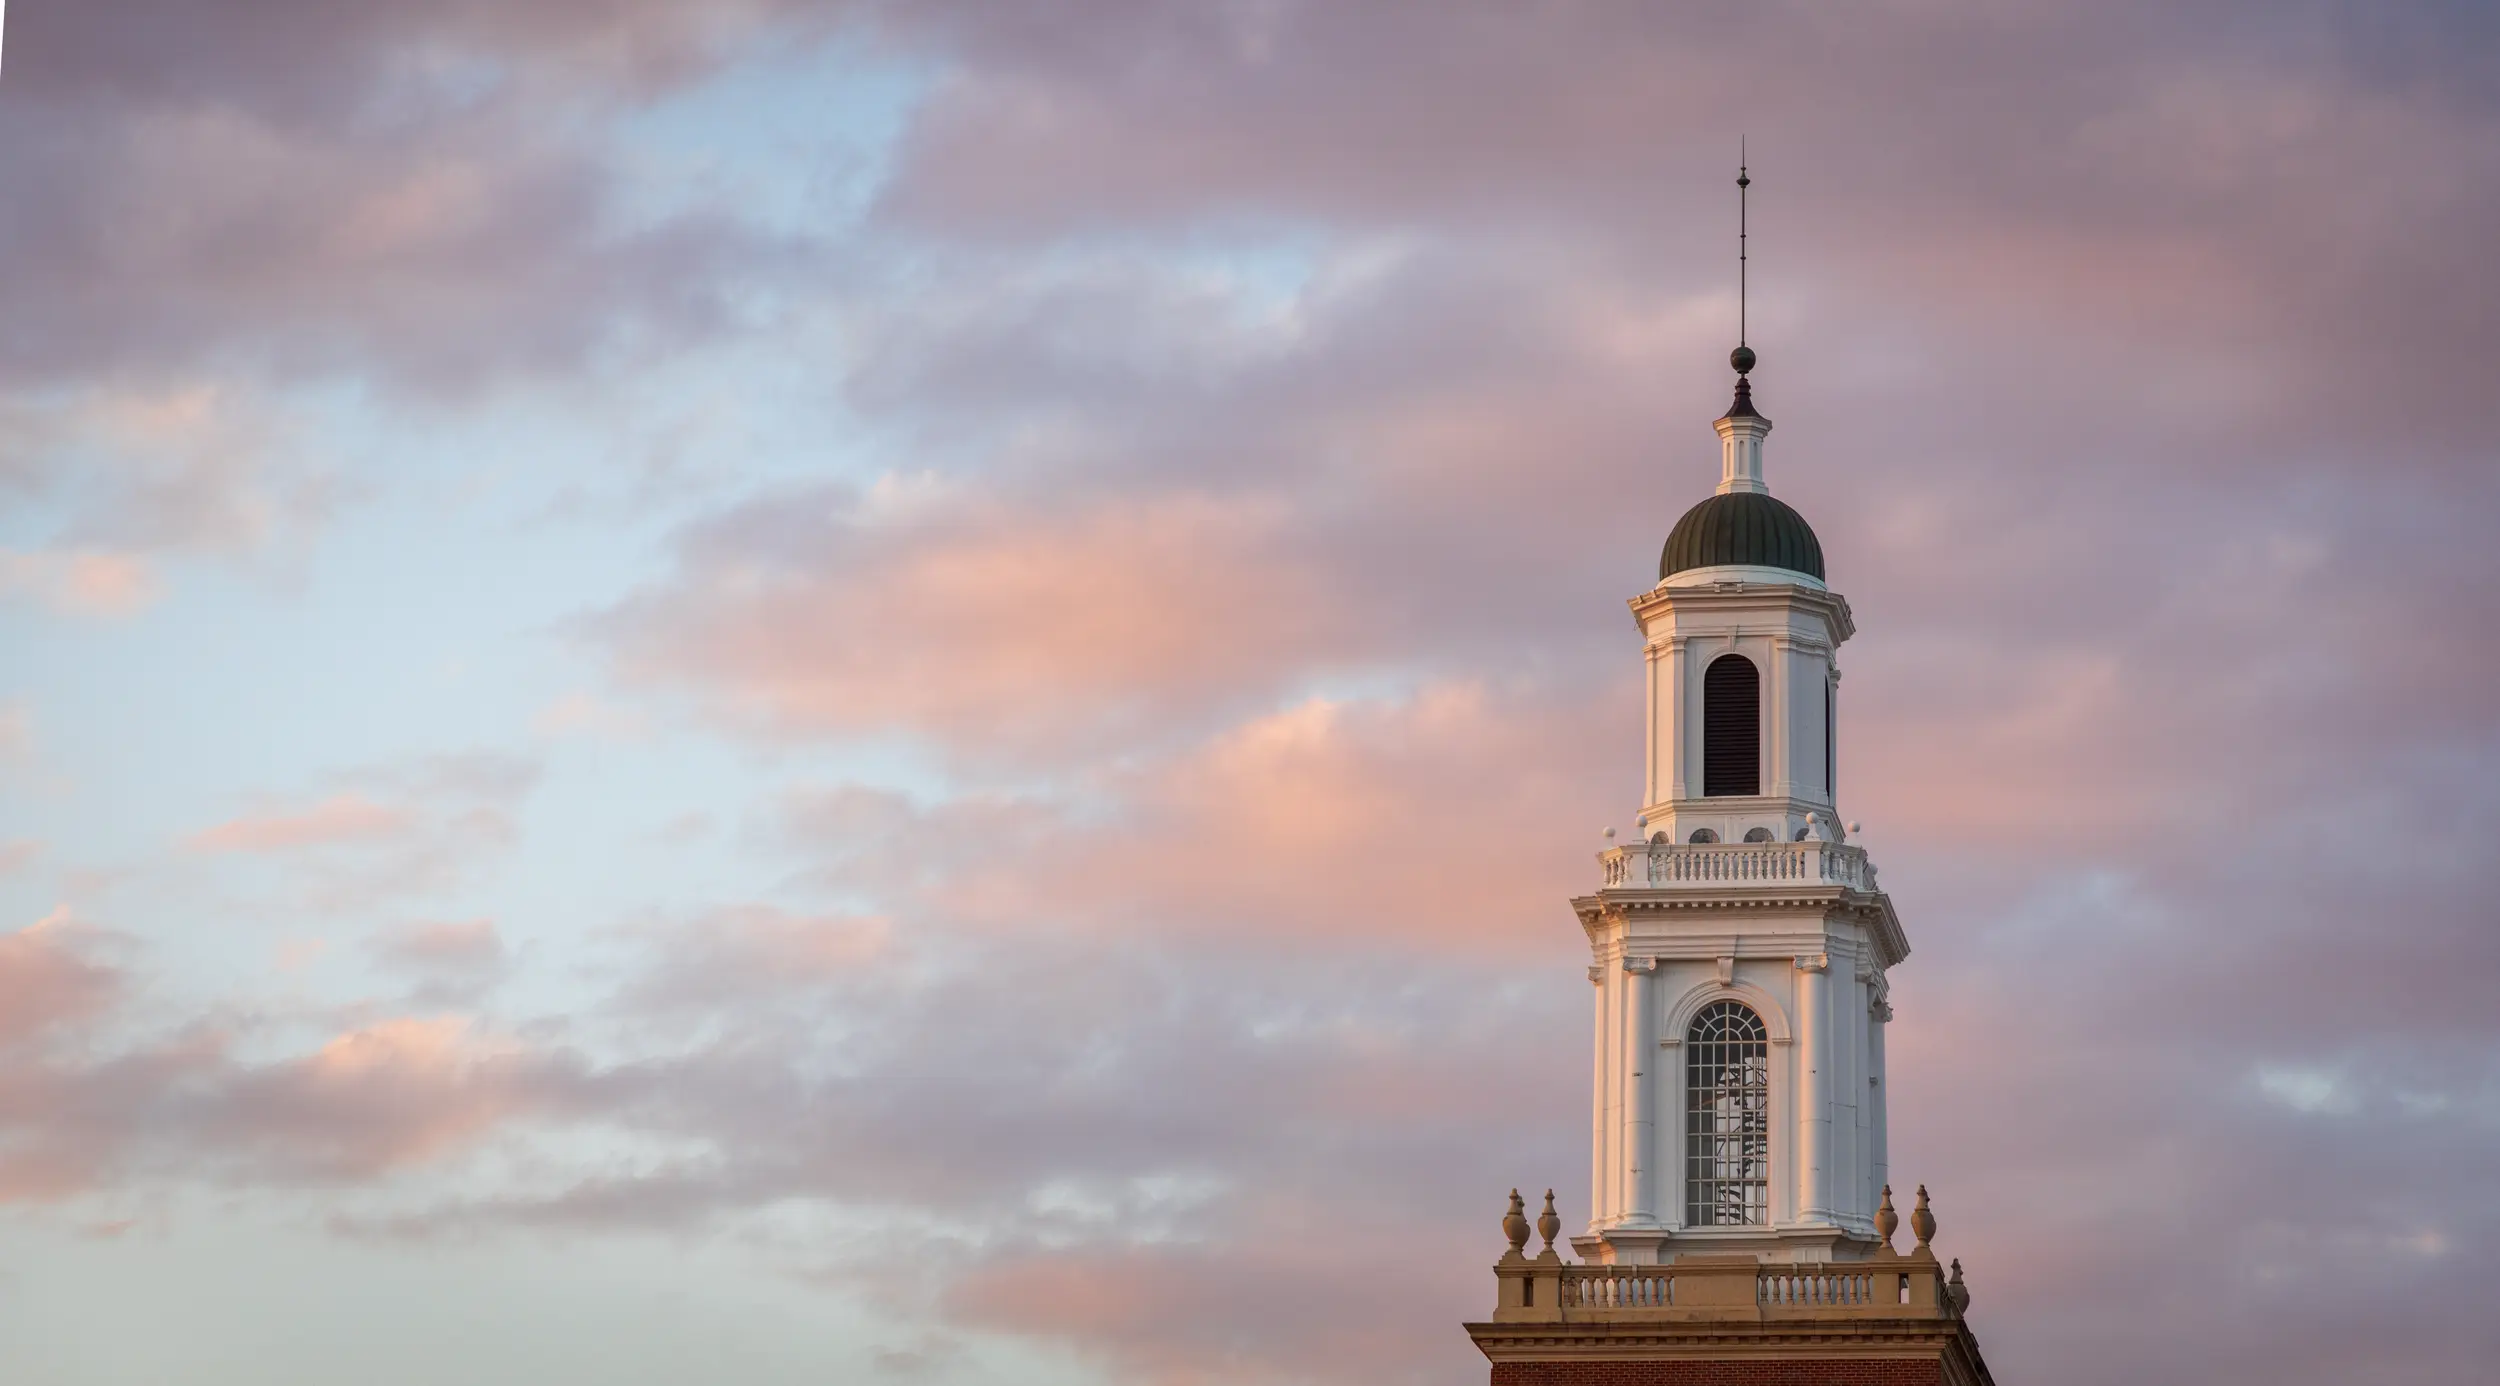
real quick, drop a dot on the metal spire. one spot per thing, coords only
(1742, 183)
(1742, 358)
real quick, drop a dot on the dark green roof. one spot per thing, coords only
(1742, 527)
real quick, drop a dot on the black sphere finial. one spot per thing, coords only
(1741, 359)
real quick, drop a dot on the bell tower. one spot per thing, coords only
(1741, 1213)
(1739, 946)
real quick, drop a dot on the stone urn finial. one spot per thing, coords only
(1548, 1222)
(1923, 1222)
(1955, 1291)
(1515, 1224)
(1887, 1219)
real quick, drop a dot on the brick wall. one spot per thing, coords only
(1737, 1372)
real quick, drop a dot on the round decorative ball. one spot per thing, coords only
(1741, 359)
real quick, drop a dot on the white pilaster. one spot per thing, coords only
(1640, 1117)
(1831, 733)
(1597, 1105)
(1652, 744)
(1814, 1114)
(1779, 777)
(1879, 1156)
(1681, 736)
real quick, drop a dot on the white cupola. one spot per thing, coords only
(1740, 633)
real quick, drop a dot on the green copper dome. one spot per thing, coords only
(1744, 527)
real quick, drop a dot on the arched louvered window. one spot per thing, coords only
(1727, 1118)
(1731, 727)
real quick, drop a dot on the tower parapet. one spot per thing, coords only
(1891, 1317)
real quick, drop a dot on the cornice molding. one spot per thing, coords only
(1869, 910)
(1739, 596)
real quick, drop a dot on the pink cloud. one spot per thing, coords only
(1442, 817)
(758, 951)
(392, 831)
(84, 582)
(583, 715)
(460, 945)
(399, 1092)
(983, 625)
(49, 978)
(1323, 826)
(342, 818)
(108, 1112)
(1174, 1315)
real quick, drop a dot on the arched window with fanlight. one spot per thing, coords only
(1727, 1118)
(1731, 727)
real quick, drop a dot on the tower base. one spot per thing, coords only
(1889, 1320)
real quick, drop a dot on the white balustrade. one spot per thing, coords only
(1669, 865)
(1815, 1287)
(1617, 1287)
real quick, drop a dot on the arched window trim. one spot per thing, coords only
(1774, 1015)
(1747, 782)
(1728, 1118)
(1678, 1023)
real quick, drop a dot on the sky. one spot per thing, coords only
(754, 690)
